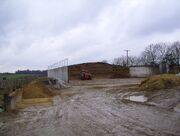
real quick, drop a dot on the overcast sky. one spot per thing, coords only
(37, 33)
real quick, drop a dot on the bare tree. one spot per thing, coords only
(154, 54)
(120, 61)
(176, 51)
(160, 51)
(134, 61)
(149, 55)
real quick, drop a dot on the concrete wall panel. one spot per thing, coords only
(61, 74)
(141, 71)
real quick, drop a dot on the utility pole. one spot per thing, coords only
(127, 51)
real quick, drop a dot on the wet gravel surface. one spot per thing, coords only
(97, 109)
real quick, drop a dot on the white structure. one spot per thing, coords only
(141, 71)
(59, 71)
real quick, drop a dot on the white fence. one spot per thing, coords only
(59, 71)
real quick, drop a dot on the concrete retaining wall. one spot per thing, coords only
(61, 74)
(143, 71)
(12, 99)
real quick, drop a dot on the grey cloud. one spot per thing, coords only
(157, 17)
(35, 34)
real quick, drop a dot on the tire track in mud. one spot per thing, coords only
(93, 112)
(133, 121)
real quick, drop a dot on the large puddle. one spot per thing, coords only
(177, 108)
(139, 98)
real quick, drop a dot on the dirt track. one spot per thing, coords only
(98, 108)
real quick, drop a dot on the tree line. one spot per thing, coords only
(153, 54)
(32, 72)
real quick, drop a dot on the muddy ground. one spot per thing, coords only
(99, 108)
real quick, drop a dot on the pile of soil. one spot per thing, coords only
(160, 82)
(36, 89)
(98, 70)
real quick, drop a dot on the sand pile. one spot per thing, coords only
(35, 93)
(160, 82)
(36, 89)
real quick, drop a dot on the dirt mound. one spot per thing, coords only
(98, 70)
(160, 82)
(36, 89)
